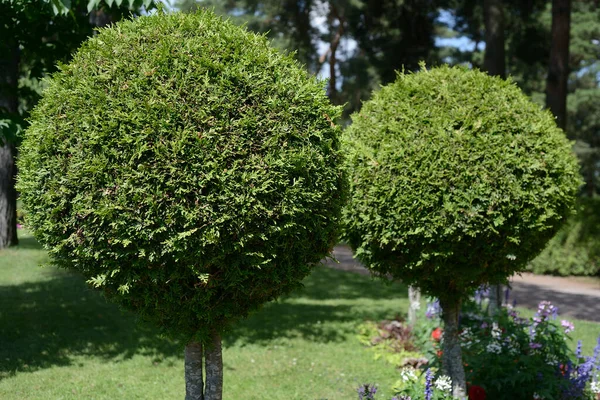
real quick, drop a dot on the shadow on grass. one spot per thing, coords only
(325, 310)
(51, 322)
(27, 242)
(48, 323)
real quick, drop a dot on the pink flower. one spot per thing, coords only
(19, 226)
(569, 327)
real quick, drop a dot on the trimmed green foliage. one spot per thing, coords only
(575, 249)
(184, 167)
(457, 179)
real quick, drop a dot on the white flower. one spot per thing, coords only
(596, 387)
(537, 396)
(511, 257)
(408, 375)
(496, 332)
(493, 348)
(443, 383)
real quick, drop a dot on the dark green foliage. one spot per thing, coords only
(575, 250)
(186, 168)
(457, 179)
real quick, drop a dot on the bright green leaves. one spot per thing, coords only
(186, 154)
(451, 172)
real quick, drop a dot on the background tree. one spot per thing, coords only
(175, 168)
(457, 179)
(362, 42)
(558, 70)
(36, 35)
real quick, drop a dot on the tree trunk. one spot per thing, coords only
(334, 15)
(452, 364)
(558, 69)
(494, 61)
(9, 101)
(214, 370)
(414, 299)
(194, 386)
(495, 299)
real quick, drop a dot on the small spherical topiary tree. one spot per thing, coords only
(189, 171)
(456, 179)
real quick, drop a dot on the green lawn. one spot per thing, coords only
(61, 340)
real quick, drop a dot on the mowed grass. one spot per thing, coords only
(59, 339)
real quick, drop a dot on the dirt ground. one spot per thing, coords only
(575, 297)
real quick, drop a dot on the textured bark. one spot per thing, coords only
(9, 100)
(452, 364)
(558, 69)
(494, 61)
(194, 386)
(214, 370)
(414, 298)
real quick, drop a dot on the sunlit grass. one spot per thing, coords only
(61, 340)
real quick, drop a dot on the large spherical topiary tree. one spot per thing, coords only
(457, 179)
(189, 171)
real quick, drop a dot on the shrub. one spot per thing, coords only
(575, 249)
(187, 169)
(456, 179)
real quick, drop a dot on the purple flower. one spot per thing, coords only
(534, 346)
(428, 384)
(578, 350)
(596, 356)
(366, 391)
(546, 310)
(569, 327)
(433, 309)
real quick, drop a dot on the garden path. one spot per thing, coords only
(575, 297)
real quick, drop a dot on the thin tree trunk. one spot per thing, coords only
(414, 299)
(558, 69)
(214, 370)
(494, 61)
(194, 386)
(495, 299)
(334, 15)
(9, 101)
(452, 364)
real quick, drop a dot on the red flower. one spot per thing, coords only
(436, 334)
(476, 393)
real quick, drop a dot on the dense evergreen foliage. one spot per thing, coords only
(187, 169)
(575, 249)
(457, 179)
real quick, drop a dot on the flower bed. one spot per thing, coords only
(505, 356)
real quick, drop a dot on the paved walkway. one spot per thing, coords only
(575, 297)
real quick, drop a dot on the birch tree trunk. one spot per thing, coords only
(194, 385)
(214, 370)
(414, 299)
(452, 364)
